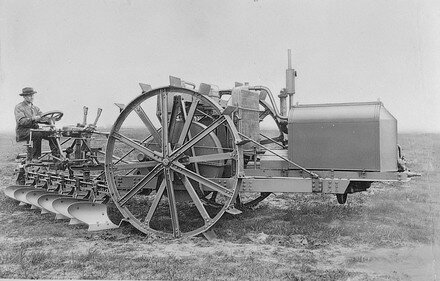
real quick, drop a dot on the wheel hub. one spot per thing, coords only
(166, 162)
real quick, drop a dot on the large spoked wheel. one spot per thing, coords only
(164, 162)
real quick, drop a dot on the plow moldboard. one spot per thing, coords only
(46, 202)
(20, 194)
(9, 191)
(93, 214)
(62, 204)
(32, 198)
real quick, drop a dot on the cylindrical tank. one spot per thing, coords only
(345, 136)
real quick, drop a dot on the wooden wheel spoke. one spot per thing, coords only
(153, 131)
(206, 115)
(135, 165)
(145, 180)
(188, 120)
(136, 146)
(174, 112)
(195, 198)
(121, 159)
(210, 157)
(155, 202)
(164, 117)
(172, 203)
(197, 138)
(186, 133)
(202, 180)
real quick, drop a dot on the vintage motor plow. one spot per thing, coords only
(178, 157)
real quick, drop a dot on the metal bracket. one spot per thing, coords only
(145, 87)
(362, 174)
(210, 235)
(204, 89)
(233, 211)
(316, 185)
(121, 106)
(175, 82)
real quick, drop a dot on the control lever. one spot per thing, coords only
(84, 123)
(97, 117)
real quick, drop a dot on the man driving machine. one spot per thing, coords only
(27, 117)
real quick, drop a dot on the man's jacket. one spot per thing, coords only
(24, 112)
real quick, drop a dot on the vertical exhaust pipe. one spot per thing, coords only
(290, 79)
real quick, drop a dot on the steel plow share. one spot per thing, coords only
(9, 191)
(46, 201)
(32, 197)
(62, 204)
(93, 214)
(20, 195)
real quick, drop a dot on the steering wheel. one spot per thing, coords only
(51, 116)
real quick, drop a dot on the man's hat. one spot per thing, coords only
(27, 91)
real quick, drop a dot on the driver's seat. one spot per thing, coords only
(28, 146)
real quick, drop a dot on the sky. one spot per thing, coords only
(94, 53)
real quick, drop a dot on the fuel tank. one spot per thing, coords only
(343, 136)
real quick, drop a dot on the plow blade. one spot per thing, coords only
(46, 201)
(93, 214)
(9, 191)
(20, 194)
(62, 204)
(32, 198)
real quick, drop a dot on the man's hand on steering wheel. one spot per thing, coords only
(44, 120)
(36, 119)
(49, 117)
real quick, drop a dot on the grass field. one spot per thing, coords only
(390, 232)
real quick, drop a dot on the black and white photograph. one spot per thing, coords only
(220, 140)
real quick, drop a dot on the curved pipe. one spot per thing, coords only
(272, 100)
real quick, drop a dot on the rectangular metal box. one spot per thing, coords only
(345, 136)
